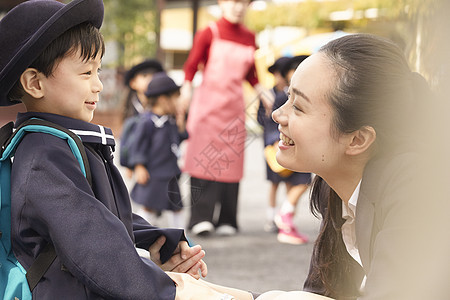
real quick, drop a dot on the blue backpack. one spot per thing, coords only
(15, 281)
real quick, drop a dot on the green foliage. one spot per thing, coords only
(308, 14)
(132, 25)
(312, 14)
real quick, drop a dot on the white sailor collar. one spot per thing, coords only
(88, 132)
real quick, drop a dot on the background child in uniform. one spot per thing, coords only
(296, 183)
(155, 153)
(137, 80)
(51, 64)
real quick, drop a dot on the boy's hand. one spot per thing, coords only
(180, 119)
(266, 97)
(185, 259)
(141, 173)
(128, 173)
(185, 97)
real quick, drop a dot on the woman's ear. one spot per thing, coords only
(361, 140)
(30, 80)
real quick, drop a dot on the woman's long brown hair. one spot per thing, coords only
(374, 87)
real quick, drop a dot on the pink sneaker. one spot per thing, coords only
(287, 232)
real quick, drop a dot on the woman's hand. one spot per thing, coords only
(189, 288)
(294, 295)
(185, 259)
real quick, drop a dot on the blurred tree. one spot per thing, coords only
(309, 14)
(312, 14)
(133, 26)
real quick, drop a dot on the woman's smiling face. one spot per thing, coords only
(308, 141)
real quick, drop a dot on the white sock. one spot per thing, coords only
(270, 213)
(287, 208)
(176, 219)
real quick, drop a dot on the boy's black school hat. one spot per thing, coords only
(278, 64)
(161, 84)
(292, 64)
(27, 29)
(149, 64)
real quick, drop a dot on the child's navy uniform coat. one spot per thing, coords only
(92, 228)
(157, 149)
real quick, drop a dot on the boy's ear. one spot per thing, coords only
(30, 80)
(132, 83)
(361, 140)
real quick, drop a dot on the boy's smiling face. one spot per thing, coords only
(73, 88)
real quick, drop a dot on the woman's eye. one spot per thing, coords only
(297, 108)
(88, 73)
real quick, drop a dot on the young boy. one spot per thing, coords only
(51, 64)
(155, 156)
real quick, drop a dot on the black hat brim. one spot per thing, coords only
(70, 15)
(161, 84)
(278, 65)
(292, 64)
(150, 64)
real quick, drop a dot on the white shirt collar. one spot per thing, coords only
(159, 121)
(349, 227)
(349, 210)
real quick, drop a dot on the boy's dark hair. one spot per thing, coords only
(85, 37)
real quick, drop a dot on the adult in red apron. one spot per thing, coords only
(216, 126)
(216, 122)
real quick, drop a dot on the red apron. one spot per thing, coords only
(216, 121)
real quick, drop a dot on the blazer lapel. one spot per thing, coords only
(365, 211)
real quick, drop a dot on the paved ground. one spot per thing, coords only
(253, 259)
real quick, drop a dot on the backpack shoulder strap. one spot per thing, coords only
(5, 133)
(9, 142)
(74, 141)
(40, 265)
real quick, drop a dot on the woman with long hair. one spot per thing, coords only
(358, 117)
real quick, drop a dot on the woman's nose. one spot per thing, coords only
(279, 116)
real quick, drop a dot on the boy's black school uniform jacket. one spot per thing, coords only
(92, 229)
(156, 147)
